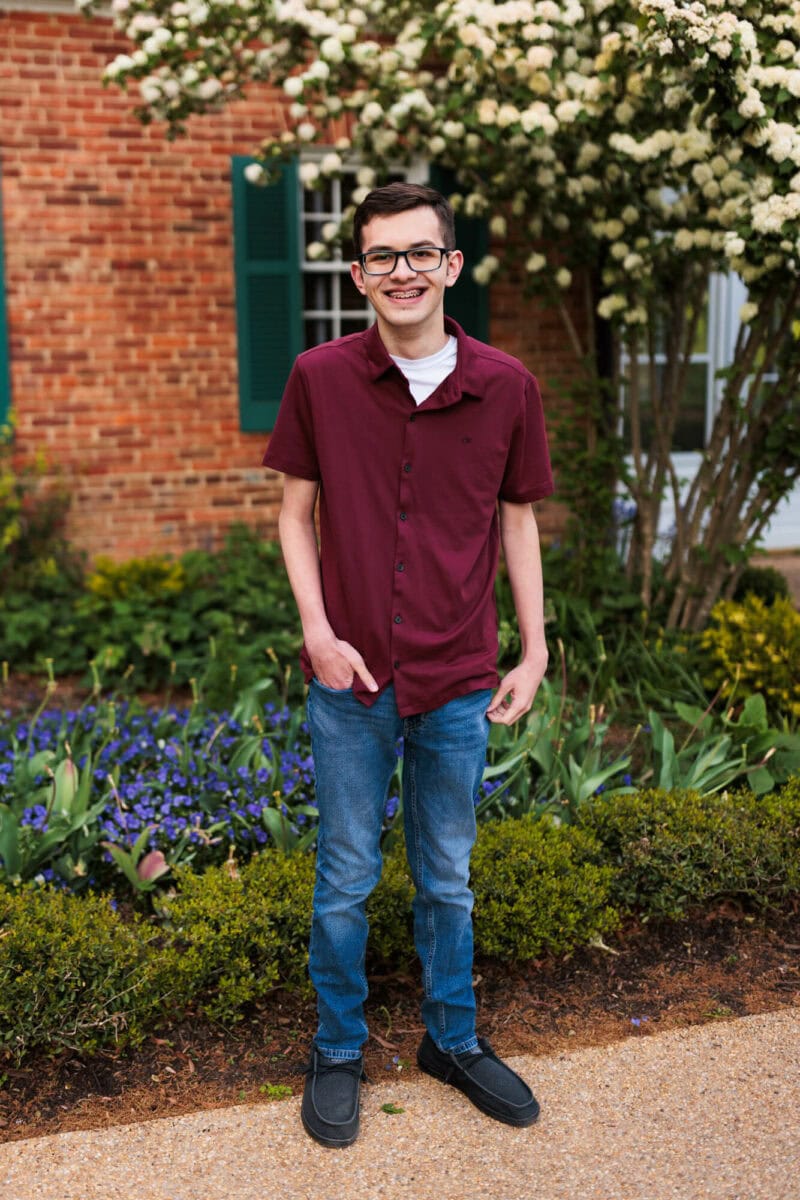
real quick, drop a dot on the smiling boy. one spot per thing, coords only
(424, 449)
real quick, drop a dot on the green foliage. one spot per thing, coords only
(552, 761)
(235, 934)
(678, 850)
(222, 618)
(32, 547)
(73, 975)
(76, 974)
(765, 582)
(538, 887)
(755, 647)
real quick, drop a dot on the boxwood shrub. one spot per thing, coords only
(538, 887)
(677, 850)
(73, 974)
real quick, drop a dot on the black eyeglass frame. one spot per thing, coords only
(398, 254)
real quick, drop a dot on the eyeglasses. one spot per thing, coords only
(420, 259)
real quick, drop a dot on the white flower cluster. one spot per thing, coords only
(643, 128)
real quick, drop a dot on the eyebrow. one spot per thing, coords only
(393, 249)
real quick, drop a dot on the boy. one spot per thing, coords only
(425, 449)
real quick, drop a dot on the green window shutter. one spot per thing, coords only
(269, 317)
(5, 364)
(468, 301)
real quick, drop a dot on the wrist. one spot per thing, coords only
(317, 636)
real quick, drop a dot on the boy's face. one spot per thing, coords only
(407, 299)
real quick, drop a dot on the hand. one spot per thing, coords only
(515, 694)
(336, 663)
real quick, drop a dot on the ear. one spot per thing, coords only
(357, 275)
(455, 263)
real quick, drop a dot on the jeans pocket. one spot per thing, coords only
(332, 691)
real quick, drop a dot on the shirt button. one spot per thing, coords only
(412, 418)
(398, 620)
(396, 663)
(407, 468)
(403, 516)
(401, 566)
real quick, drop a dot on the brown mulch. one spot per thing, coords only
(728, 964)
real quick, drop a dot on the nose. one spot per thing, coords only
(402, 269)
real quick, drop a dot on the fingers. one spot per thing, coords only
(359, 666)
(511, 701)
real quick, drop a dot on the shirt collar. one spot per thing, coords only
(467, 380)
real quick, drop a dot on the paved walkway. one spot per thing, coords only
(711, 1111)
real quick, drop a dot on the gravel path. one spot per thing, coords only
(711, 1111)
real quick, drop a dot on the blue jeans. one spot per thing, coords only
(354, 758)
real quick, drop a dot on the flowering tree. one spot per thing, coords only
(630, 147)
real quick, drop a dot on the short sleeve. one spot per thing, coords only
(528, 475)
(291, 447)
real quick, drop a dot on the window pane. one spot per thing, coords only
(317, 291)
(351, 296)
(691, 421)
(353, 326)
(318, 330)
(690, 430)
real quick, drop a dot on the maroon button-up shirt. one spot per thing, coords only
(409, 533)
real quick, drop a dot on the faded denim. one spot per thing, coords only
(355, 755)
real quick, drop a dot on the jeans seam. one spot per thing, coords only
(430, 919)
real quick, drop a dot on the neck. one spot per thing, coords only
(413, 342)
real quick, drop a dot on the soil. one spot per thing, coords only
(725, 965)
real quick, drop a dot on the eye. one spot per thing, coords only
(424, 256)
(379, 258)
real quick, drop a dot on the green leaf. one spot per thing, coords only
(9, 841)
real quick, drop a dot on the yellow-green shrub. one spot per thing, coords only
(538, 887)
(154, 575)
(757, 644)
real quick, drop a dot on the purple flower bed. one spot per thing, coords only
(194, 785)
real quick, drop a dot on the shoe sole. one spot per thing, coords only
(517, 1122)
(328, 1143)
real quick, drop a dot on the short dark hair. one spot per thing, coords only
(400, 197)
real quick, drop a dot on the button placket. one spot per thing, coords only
(404, 529)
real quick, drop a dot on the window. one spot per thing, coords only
(332, 304)
(715, 337)
(713, 350)
(286, 302)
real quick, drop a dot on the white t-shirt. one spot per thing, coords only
(425, 374)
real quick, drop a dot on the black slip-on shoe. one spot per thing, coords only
(330, 1099)
(484, 1078)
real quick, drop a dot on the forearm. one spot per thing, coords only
(520, 539)
(333, 660)
(301, 556)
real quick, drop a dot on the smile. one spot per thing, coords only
(406, 294)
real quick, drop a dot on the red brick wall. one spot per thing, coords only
(120, 296)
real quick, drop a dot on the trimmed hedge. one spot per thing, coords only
(76, 974)
(539, 887)
(73, 974)
(676, 850)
